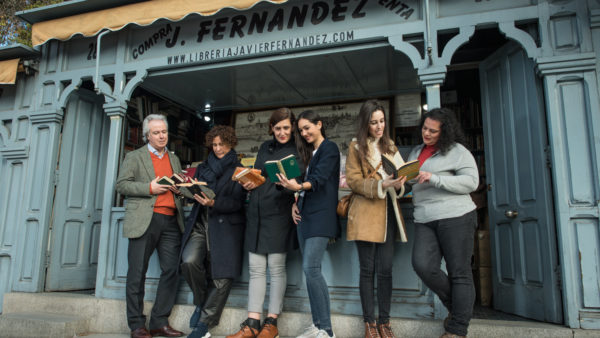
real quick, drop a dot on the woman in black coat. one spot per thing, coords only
(270, 232)
(214, 233)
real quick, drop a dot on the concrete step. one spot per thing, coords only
(41, 324)
(106, 319)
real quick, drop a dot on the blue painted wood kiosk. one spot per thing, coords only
(522, 74)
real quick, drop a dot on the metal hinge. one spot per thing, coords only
(47, 260)
(548, 157)
(56, 177)
(558, 274)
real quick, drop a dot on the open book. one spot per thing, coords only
(173, 179)
(198, 187)
(287, 165)
(245, 175)
(409, 169)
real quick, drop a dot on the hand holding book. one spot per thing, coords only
(249, 178)
(204, 200)
(198, 188)
(409, 169)
(287, 166)
(158, 186)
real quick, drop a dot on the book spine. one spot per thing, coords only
(281, 170)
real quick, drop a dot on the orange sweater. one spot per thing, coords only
(165, 204)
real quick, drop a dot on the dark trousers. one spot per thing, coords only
(210, 295)
(377, 257)
(164, 235)
(451, 238)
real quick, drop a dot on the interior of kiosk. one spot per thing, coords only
(195, 100)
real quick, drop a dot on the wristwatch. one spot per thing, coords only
(301, 187)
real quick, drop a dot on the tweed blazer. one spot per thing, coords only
(134, 182)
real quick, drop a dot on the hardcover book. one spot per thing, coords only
(197, 188)
(287, 166)
(166, 180)
(173, 180)
(245, 175)
(409, 169)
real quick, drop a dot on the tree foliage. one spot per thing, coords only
(13, 29)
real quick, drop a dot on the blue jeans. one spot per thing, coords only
(313, 249)
(451, 238)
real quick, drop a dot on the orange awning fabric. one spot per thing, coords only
(141, 13)
(8, 71)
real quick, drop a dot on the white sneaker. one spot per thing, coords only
(310, 332)
(324, 334)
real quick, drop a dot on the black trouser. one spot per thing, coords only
(377, 257)
(451, 238)
(195, 268)
(163, 234)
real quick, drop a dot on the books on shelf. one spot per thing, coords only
(244, 175)
(287, 166)
(248, 161)
(197, 188)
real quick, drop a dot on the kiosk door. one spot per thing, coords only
(522, 228)
(78, 197)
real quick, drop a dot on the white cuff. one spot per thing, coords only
(380, 192)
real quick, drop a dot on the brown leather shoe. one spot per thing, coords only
(140, 333)
(166, 331)
(245, 332)
(385, 330)
(371, 330)
(269, 329)
(451, 335)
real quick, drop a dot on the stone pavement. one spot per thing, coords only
(75, 315)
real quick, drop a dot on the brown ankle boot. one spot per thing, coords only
(269, 329)
(371, 330)
(385, 330)
(248, 329)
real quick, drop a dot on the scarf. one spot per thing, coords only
(215, 167)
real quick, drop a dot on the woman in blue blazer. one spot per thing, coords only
(315, 213)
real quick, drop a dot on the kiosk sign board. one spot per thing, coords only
(265, 30)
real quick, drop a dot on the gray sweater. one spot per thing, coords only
(446, 195)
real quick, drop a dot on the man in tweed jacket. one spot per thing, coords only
(153, 220)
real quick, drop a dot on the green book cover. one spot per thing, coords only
(165, 181)
(287, 165)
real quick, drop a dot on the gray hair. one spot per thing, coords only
(146, 129)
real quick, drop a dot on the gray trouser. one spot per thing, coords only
(257, 285)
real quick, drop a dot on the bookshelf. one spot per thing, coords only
(184, 126)
(461, 94)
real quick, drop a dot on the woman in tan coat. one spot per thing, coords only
(374, 216)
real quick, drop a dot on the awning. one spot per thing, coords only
(8, 71)
(141, 13)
